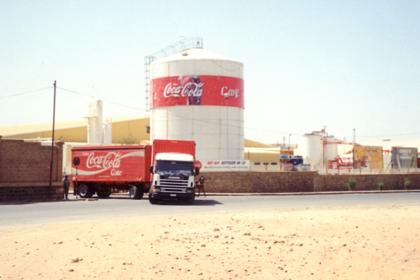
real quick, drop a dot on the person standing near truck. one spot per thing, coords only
(66, 185)
(200, 186)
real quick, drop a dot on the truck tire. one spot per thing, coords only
(104, 192)
(136, 192)
(190, 199)
(153, 200)
(85, 191)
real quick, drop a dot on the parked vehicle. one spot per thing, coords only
(174, 167)
(165, 169)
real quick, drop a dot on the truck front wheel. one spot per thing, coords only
(84, 191)
(153, 200)
(190, 199)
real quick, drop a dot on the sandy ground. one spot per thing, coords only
(312, 243)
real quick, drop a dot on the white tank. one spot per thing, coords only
(313, 150)
(330, 148)
(199, 96)
(94, 120)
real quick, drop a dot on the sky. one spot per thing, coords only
(307, 64)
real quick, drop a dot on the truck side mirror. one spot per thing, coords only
(197, 171)
(76, 161)
(151, 169)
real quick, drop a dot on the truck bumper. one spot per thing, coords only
(165, 195)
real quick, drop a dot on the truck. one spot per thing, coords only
(165, 169)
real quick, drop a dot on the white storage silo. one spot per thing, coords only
(199, 96)
(330, 148)
(313, 150)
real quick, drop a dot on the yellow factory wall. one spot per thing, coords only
(254, 144)
(256, 156)
(75, 134)
(134, 131)
(130, 131)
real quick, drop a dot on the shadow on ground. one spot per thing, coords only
(197, 202)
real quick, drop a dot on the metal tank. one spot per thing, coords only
(313, 150)
(330, 148)
(197, 95)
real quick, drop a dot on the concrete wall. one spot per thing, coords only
(266, 182)
(25, 171)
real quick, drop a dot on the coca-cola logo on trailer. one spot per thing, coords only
(197, 90)
(111, 161)
(107, 161)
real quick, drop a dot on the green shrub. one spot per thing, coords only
(351, 184)
(380, 185)
(407, 183)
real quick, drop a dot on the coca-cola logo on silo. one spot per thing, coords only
(205, 90)
(227, 92)
(188, 86)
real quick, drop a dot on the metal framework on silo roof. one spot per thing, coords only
(178, 46)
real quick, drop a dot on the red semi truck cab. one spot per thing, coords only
(174, 167)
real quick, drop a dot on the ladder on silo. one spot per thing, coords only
(179, 46)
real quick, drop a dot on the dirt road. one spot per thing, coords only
(317, 242)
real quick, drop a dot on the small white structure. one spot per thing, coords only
(95, 133)
(107, 128)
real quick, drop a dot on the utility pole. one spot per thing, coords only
(52, 135)
(354, 143)
(354, 138)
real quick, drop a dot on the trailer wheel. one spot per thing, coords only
(136, 192)
(104, 192)
(84, 191)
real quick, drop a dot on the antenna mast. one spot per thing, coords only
(178, 46)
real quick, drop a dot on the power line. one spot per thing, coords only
(96, 97)
(24, 92)
(389, 135)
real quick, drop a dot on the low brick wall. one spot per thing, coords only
(31, 193)
(367, 182)
(262, 182)
(25, 171)
(273, 182)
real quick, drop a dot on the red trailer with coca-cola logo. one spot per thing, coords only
(105, 169)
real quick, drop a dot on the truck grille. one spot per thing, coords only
(173, 185)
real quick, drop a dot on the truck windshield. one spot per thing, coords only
(174, 168)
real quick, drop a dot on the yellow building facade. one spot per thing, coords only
(124, 131)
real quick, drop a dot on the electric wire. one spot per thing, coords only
(106, 100)
(24, 92)
(212, 121)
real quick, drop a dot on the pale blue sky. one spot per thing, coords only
(342, 64)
